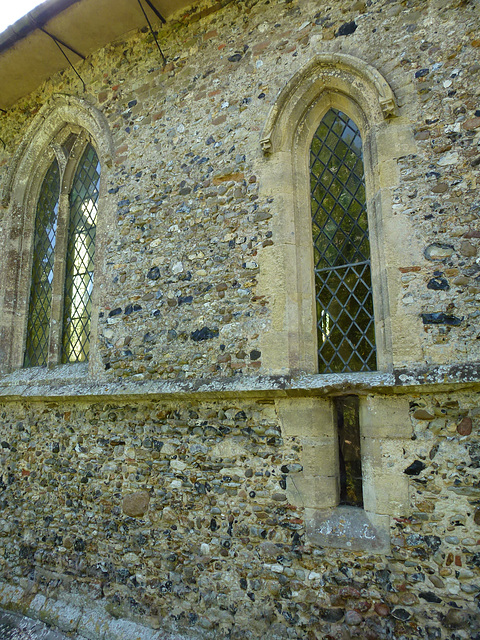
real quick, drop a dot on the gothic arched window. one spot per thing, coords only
(59, 314)
(331, 143)
(343, 288)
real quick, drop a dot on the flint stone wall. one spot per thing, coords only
(215, 548)
(188, 226)
(172, 510)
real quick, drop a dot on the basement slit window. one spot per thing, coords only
(349, 454)
(59, 313)
(343, 288)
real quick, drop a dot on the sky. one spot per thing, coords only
(10, 12)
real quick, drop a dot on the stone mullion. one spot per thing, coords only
(58, 284)
(68, 165)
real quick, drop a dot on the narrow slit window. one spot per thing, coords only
(80, 258)
(343, 289)
(349, 451)
(38, 327)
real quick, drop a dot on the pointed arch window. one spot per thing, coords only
(40, 308)
(329, 155)
(59, 315)
(343, 287)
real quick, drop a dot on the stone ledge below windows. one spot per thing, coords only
(74, 380)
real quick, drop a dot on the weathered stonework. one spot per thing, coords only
(185, 480)
(218, 476)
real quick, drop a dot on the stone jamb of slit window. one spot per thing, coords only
(42, 142)
(385, 430)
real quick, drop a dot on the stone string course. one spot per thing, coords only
(139, 517)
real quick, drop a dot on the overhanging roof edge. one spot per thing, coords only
(37, 17)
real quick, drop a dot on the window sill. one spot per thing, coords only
(24, 381)
(70, 380)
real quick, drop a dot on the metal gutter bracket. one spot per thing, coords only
(150, 26)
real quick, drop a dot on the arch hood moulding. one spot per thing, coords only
(28, 56)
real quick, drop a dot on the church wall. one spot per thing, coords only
(174, 481)
(175, 514)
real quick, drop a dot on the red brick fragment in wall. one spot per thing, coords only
(219, 120)
(210, 34)
(464, 428)
(471, 124)
(261, 46)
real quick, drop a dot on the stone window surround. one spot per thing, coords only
(354, 87)
(385, 431)
(289, 345)
(68, 164)
(60, 117)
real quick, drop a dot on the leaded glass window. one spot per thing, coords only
(38, 329)
(344, 301)
(58, 326)
(80, 255)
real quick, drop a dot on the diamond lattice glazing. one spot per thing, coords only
(38, 328)
(80, 256)
(345, 321)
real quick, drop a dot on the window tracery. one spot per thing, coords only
(47, 260)
(53, 237)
